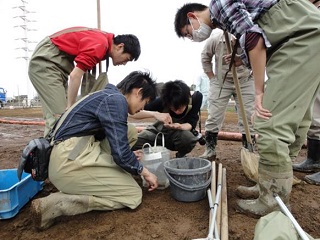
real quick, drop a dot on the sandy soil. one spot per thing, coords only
(159, 216)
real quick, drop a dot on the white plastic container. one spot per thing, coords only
(153, 159)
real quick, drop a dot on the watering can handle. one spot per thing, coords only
(146, 144)
(155, 140)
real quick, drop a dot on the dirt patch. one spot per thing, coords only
(159, 216)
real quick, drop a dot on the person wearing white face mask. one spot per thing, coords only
(202, 33)
(280, 38)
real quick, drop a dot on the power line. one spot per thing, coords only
(25, 20)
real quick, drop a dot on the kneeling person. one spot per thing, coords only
(94, 172)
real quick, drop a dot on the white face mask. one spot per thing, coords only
(202, 33)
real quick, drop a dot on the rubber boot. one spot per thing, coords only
(269, 183)
(248, 192)
(313, 178)
(312, 163)
(245, 192)
(245, 142)
(46, 210)
(211, 143)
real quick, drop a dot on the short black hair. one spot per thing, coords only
(175, 94)
(131, 45)
(139, 79)
(181, 18)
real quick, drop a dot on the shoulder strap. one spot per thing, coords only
(69, 30)
(58, 123)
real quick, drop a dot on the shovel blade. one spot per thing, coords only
(250, 163)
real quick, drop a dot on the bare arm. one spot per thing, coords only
(163, 117)
(258, 63)
(179, 126)
(74, 85)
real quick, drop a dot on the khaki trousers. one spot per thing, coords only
(293, 81)
(218, 103)
(95, 174)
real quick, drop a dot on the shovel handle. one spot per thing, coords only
(238, 91)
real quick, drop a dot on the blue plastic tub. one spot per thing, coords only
(14, 194)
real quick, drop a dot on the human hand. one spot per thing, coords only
(150, 179)
(226, 59)
(164, 117)
(213, 79)
(138, 154)
(259, 110)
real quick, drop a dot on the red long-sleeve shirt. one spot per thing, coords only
(88, 46)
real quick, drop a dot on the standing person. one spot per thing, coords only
(288, 52)
(221, 91)
(177, 112)
(52, 70)
(312, 163)
(202, 85)
(24, 103)
(95, 172)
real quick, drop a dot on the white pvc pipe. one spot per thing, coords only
(286, 211)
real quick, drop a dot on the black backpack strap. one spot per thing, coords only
(233, 55)
(24, 156)
(107, 63)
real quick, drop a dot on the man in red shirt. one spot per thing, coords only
(60, 60)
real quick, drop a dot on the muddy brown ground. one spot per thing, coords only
(159, 216)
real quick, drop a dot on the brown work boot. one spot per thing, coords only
(269, 183)
(245, 192)
(46, 210)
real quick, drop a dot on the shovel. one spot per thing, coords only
(249, 160)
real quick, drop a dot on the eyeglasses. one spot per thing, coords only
(188, 34)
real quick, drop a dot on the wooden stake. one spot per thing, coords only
(224, 235)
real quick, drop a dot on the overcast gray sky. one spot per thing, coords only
(165, 55)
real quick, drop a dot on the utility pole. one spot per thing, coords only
(26, 42)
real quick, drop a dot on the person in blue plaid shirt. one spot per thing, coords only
(279, 38)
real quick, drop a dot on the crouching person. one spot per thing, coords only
(94, 172)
